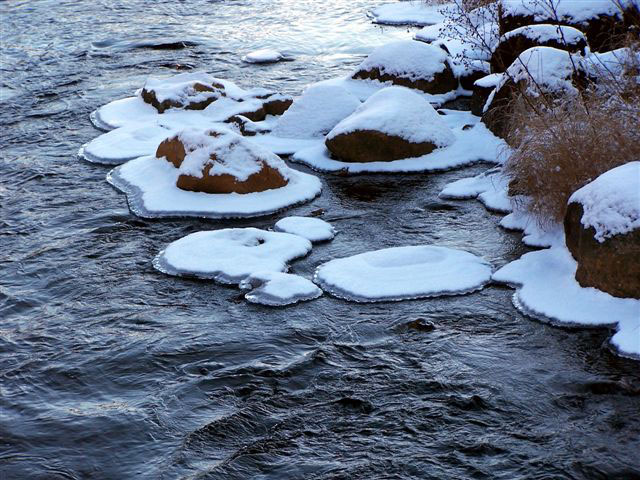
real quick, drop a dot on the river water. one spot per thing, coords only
(112, 370)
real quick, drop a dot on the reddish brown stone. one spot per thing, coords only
(277, 106)
(442, 82)
(173, 150)
(373, 146)
(266, 179)
(149, 96)
(612, 266)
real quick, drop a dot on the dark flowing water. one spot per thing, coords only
(111, 370)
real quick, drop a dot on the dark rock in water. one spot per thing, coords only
(421, 325)
(354, 403)
(612, 266)
(179, 45)
(439, 206)
(317, 213)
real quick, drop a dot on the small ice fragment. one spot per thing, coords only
(278, 289)
(313, 229)
(264, 55)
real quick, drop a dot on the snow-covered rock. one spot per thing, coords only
(392, 124)
(193, 91)
(277, 289)
(231, 255)
(611, 65)
(547, 290)
(264, 55)
(402, 273)
(473, 143)
(410, 64)
(313, 229)
(602, 229)
(414, 12)
(316, 112)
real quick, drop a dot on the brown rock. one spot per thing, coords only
(277, 104)
(508, 50)
(266, 179)
(442, 82)
(149, 96)
(475, 71)
(373, 146)
(173, 150)
(612, 266)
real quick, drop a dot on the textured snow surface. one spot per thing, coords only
(313, 229)
(573, 11)
(402, 273)
(407, 59)
(278, 289)
(491, 80)
(316, 112)
(471, 145)
(180, 87)
(235, 155)
(150, 185)
(545, 32)
(533, 234)
(232, 254)
(547, 290)
(611, 202)
(415, 12)
(400, 112)
(264, 55)
(611, 64)
(490, 187)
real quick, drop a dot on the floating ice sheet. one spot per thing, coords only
(490, 187)
(311, 228)
(278, 289)
(473, 143)
(150, 186)
(403, 273)
(232, 254)
(547, 290)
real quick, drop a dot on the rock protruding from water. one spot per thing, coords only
(410, 64)
(392, 124)
(191, 91)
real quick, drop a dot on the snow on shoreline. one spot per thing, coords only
(414, 12)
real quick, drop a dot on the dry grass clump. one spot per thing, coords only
(561, 145)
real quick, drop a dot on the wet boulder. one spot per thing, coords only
(602, 231)
(191, 91)
(410, 64)
(604, 22)
(513, 43)
(219, 161)
(392, 124)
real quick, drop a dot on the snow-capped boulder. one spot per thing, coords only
(482, 89)
(191, 91)
(470, 72)
(513, 43)
(219, 161)
(410, 64)
(231, 255)
(277, 289)
(602, 21)
(313, 229)
(602, 231)
(393, 123)
(402, 273)
(316, 112)
(277, 104)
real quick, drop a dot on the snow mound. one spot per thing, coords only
(409, 13)
(490, 188)
(311, 228)
(546, 32)
(150, 186)
(611, 64)
(232, 254)
(548, 291)
(611, 202)
(572, 11)
(400, 112)
(403, 273)
(277, 289)
(316, 112)
(265, 55)
(473, 143)
(181, 88)
(407, 59)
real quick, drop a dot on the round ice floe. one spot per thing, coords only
(310, 228)
(150, 186)
(264, 55)
(403, 273)
(232, 254)
(278, 289)
(316, 112)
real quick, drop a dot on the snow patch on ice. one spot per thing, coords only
(490, 188)
(402, 273)
(611, 202)
(277, 289)
(313, 229)
(534, 235)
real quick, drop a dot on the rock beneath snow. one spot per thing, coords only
(218, 161)
(231, 255)
(602, 231)
(513, 43)
(393, 123)
(470, 73)
(277, 289)
(277, 104)
(602, 21)
(482, 89)
(410, 64)
(313, 229)
(265, 55)
(316, 112)
(191, 91)
(403, 273)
